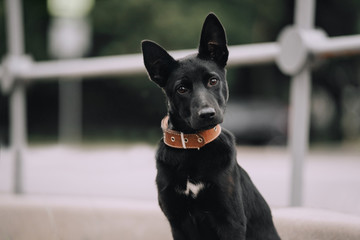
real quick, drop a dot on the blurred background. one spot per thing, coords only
(122, 114)
(117, 27)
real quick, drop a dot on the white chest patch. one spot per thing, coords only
(192, 189)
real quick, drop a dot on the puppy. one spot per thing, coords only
(202, 190)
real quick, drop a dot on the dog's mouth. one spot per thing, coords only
(200, 125)
(207, 127)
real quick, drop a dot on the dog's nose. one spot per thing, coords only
(207, 113)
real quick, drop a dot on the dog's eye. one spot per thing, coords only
(182, 90)
(213, 81)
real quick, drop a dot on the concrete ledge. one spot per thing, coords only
(47, 218)
(315, 224)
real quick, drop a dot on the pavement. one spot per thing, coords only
(331, 176)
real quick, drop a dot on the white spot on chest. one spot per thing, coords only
(191, 188)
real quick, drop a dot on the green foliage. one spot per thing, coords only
(119, 26)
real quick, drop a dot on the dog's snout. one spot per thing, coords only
(207, 113)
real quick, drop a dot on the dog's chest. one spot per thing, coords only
(191, 189)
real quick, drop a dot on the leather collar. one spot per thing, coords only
(181, 140)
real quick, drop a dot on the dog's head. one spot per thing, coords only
(195, 86)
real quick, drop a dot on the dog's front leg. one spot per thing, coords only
(184, 231)
(177, 233)
(231, 223)
(232, 233)
(174, 209)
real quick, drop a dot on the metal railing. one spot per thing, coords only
(296, 46)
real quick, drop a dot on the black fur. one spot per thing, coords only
(229, 206)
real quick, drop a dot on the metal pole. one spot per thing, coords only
(70, 110)
(15, 41)
(304, 14)
(300, 100)
(14, 24)
(299, 124)
(69, 38)
(336, 46)
(131, 64)
(18, 134)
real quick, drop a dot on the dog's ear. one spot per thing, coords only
(158, 62)
(213, 41)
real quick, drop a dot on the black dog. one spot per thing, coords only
(202, 190)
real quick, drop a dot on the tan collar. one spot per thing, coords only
(197, 140)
